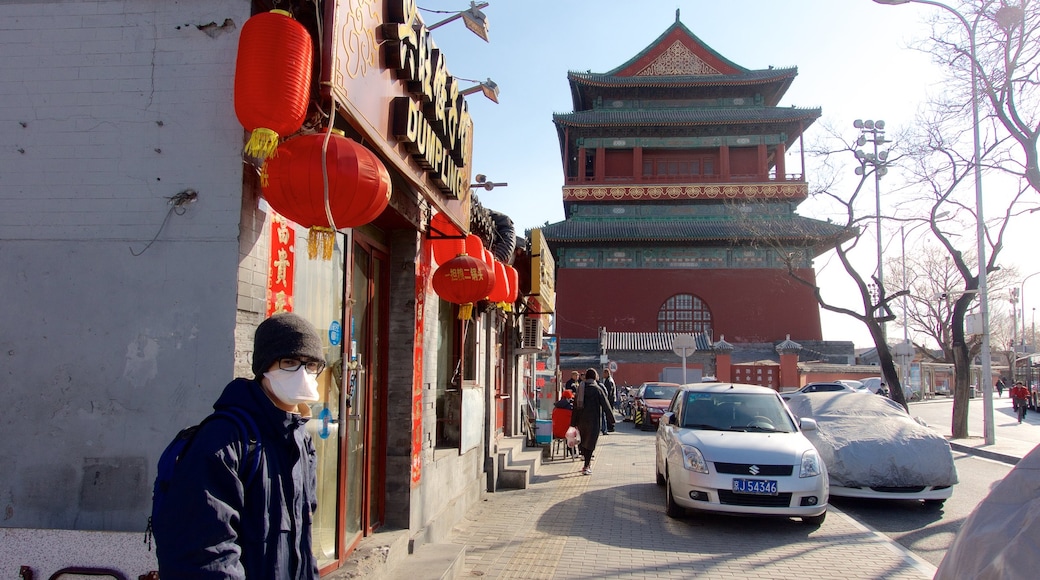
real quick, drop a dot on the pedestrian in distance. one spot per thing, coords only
(572, 383)
(590, 404)
(1019, 395)
(213, 521)
(1000, 387)
(610, 389)
(566, 401)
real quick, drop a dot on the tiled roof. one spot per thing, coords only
(702, 116)
(650, 341)
(749, 77)
(670, 230)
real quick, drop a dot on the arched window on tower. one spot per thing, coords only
(684, 313)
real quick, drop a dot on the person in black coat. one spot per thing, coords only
(214, 522)
(590, 405)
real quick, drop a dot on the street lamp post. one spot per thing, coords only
(1022, 297)
(987, 373)
(876, 132)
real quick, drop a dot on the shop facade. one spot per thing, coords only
(414, 399)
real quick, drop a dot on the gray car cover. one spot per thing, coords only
(999, 539)
(869, 441)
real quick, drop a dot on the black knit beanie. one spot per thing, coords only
(284, 335)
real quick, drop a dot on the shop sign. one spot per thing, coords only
(433, 121)
(411, 109)
(543, 276)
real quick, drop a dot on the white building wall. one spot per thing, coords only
(118, 319)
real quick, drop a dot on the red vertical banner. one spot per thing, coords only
(423, 279)
(280, 273)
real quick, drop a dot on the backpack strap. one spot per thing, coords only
(251, 433)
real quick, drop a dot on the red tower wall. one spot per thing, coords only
(747, 305)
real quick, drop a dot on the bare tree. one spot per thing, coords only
(874, 306)
(1007, 50)
(933, 284)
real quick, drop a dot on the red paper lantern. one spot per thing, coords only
(500, 292)
(463, 280)
(272, 79)
(358, 182)
(514, 284)
(475, 246)
(489, 261)
(447, 240)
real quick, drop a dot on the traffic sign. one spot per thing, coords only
(684, 345)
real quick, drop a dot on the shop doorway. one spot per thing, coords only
(367, 327)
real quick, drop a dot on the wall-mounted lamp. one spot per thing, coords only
(475, 20)
(481, 181)
(488, 87)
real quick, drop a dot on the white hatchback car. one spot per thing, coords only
(734, 448)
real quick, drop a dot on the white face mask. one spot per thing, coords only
(293, 387)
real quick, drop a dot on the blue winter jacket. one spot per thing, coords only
(210, 527)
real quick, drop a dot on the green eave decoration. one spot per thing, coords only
(680, 142)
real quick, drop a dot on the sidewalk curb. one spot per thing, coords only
(995, 456)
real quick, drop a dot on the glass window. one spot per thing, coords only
(449, 379)
(684, 313)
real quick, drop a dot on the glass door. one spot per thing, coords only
(366, 392)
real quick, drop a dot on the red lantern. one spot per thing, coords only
(475, 246)
(489, 261)
(463, 280)
(272, 79)
(359, 184)
(446, 238)
(500, 292)
(514, 285)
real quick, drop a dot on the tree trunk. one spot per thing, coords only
(961, 383)
(888, 366)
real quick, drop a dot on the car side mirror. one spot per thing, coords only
(807, 424)
(669, 418)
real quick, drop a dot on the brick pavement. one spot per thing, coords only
(612, 525)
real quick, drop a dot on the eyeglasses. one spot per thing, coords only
(294, 364)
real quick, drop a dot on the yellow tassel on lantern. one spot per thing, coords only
(323, 239)
(466, 311)
(262, 144)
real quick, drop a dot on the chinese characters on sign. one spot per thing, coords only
(280, 273)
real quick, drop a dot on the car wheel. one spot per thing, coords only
(934, 503)
(673, 509)
(815, 521)
(660, 478)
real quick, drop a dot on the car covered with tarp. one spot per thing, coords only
(999, 538)
(874, 449)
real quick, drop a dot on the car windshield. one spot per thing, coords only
(762, 412)
(658, 392)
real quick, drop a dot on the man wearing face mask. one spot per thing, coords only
(214, 522)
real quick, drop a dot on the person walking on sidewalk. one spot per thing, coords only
(611, 390)
(590, 405)
(215, 522)
(1019, 393)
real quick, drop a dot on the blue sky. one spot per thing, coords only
(852, 56)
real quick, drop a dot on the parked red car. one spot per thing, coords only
(652, 400)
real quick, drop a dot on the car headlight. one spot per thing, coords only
(810, 464)
(693, 460)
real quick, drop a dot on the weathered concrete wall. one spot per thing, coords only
(118, 324)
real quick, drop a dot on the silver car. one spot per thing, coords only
(734, 448)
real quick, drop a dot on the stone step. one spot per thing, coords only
(517, 463)
(433, 562)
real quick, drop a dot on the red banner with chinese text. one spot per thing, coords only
(280, 269)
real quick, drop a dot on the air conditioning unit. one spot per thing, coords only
(532, 337)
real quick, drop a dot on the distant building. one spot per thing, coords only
(680, 210)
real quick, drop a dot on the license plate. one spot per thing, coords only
(755, 486)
